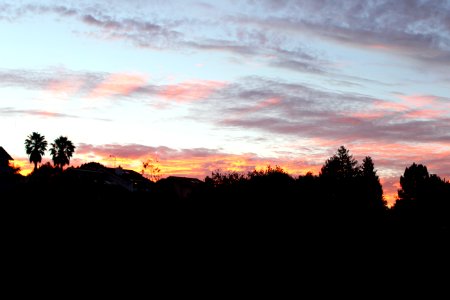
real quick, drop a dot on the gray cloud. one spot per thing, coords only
(411, 28)
(295, 109)
(270, 106)
(181, 32)
(43, 78)
(83, 83)
(417, 29)
(8, 111)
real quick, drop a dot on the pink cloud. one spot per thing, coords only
(425, 114)
(129, 151)
(268, 102)
(368, 115)
(119, 84)
(391, 106)
(64, 87)
(189, 91)
(381, 47)
(418, 100)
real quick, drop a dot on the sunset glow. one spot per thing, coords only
(202, 86)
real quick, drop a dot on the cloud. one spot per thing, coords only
(296, 65)
(8, 111)
(61, 82)
(177, 32)
(119, 84)
(411, 28)
(57, 80)
(141, 33)
(64, 87)
(128, 86)
(299, 110)
(130, 151)
(307, 112)
(418, 100)
(190, 90)
(277, 35)
(384, 105)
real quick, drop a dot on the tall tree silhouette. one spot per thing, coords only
(351, 193)
(340, 166)
(35, 146)
(338, 178)
(372, 189)
(62, 150)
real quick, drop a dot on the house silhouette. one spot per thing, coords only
(127, 179)
(4, 160)
(180, 187)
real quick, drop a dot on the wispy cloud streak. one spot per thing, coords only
(308, 112)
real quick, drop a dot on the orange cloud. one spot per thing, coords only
(119, 84)
(191, 90)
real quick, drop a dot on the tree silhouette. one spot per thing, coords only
(412, 181)
(338, 178)
(219, 178)
(372, 190)
(340, 166)
(61, 151)
(150, 170)
(423, 202)
(35, 146)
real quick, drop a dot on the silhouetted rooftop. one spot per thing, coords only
(183, 179)
(4, 156)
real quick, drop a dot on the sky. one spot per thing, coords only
(200, 86)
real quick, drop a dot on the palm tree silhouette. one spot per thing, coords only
(61, 151)
(35, 146)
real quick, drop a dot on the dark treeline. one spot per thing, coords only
(346, 197)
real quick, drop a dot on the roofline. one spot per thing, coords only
(8, 156)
